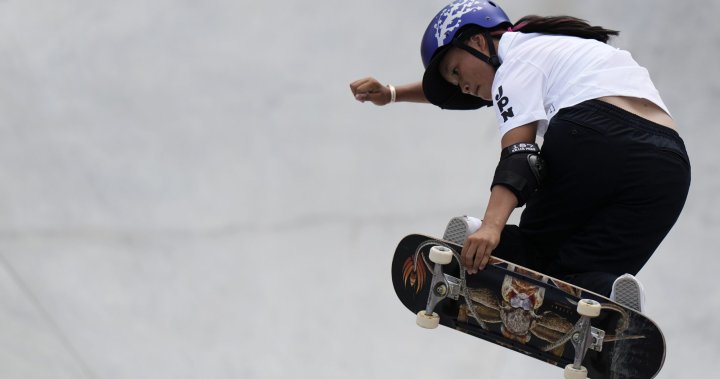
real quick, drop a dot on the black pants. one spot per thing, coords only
(616, 185)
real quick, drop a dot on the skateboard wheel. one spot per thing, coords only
(573, 373)
(589, 308)
(441, 255)
(427, 321)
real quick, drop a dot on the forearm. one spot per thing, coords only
(479, 246)
(501, 204)
(412, 93)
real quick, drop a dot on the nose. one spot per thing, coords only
(465, 88)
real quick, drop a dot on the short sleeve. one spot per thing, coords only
(518, 95)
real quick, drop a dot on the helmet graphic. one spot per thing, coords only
(440, 34)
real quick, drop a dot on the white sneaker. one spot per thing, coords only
(628, 291)
(459, 228)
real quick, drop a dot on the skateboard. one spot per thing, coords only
(526, 311)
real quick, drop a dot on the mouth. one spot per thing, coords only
(477, 91)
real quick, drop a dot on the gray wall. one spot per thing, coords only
(188, 189)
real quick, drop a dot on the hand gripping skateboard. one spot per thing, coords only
(526, 311)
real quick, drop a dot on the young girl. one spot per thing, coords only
(613, 173)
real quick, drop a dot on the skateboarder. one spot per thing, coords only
(613, 174)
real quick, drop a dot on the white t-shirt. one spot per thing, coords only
(541, 74)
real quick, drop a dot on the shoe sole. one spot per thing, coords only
(456, 231)
(627, 293)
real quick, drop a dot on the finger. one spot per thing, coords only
(479, 257)
(368, 85)
(368, 88)
(360, 81)
(465, 248)
(361, 85)
(468, 255)
(489, 249)
(486, 258)
(354, 85)
(464, 253)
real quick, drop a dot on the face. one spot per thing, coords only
(473, 76)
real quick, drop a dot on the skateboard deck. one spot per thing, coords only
(526, 311)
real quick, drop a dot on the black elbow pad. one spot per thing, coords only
(521, 169)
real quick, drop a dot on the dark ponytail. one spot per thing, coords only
(563, 25)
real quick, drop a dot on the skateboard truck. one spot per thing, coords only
(442, 286)
(584, 337)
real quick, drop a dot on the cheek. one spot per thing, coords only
(485, 80)
(487, 75)
(476, 72)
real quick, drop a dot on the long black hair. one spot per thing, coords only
(563, 25)
(557, 25)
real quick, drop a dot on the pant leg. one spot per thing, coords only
(616, 189)
(516, 248)
(582, 164)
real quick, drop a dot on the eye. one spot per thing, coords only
(455, 75)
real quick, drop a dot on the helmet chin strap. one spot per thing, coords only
(493, 60)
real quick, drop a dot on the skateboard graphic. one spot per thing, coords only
(586, 334)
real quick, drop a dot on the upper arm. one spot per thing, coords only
(519, 90)
(522, 134)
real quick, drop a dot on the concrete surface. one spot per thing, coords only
(188, 189)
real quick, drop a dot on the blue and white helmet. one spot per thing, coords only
(440, 34)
